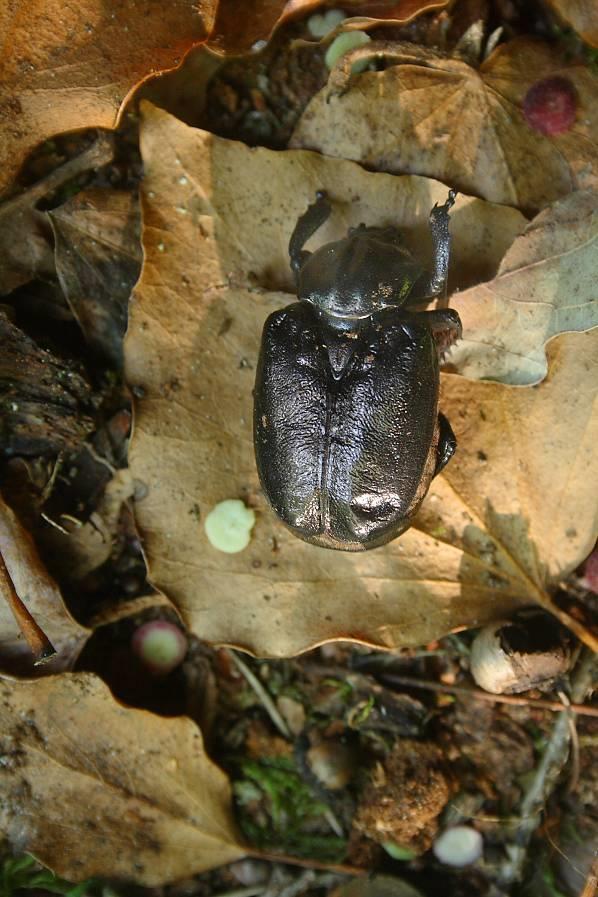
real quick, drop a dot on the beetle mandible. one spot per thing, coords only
(347, 432)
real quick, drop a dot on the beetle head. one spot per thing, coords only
(355, 277)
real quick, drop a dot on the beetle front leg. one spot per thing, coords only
(313, 218)
(435, 284)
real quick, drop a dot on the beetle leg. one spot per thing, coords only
(435, 283)
(447, 443)
(313, 218)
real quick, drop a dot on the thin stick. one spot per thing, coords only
(99, 153)
(339, 868)
(41, 646)
(478, 694)
(263, 695)
(545, 776)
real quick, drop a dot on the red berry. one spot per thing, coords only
(160, 645)
(550, 105)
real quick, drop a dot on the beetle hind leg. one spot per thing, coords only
(313, 218)
(447, 444)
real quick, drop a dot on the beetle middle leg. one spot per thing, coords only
(307, 224)
(447, 443)
(445, 326)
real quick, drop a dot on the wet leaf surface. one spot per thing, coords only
(465, 126)
(481, 545)
(42, 598)
(160, 809)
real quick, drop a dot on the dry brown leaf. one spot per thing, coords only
(547, 284)
(43, 600)
(217, 217)
(463, 126)
(90, 787)
(98, 259)
(582, 15)
(67, 66)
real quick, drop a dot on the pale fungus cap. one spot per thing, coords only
(228, 525)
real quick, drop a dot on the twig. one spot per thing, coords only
(546, 775)
(263, 695)
(41, 646)
(574, 777)
(99, 153)
(244, 892)
(479, 695)
(53, 523)
(337, 868)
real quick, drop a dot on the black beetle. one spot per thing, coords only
(346, 425)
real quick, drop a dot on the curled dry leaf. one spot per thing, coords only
(582, 15)
(41, 596)
(69, 66)
(160, 807)
(465, 126)
(98, 259)
(546, 284)
(235, 34)
(512, 513)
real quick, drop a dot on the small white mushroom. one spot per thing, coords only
(228, 525)
(460, 845)
(333, 764)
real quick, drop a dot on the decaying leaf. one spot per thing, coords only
(547, 283)
(25, 237)
(44, 401)
(98, 258)
(465, 126)
(490, 538)
(90, 787)
(70, 66)
(77, 547)
(42, 598)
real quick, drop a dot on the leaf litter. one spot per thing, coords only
(524, 456)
